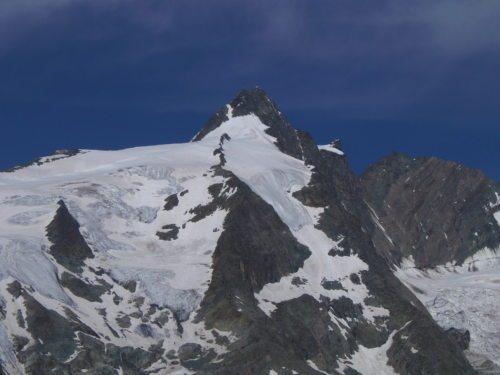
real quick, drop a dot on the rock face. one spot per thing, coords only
(69, 247)
(433, 210)
(460, 336)
(438, 224)
(249, 251)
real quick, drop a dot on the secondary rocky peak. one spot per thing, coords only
(434, 210)
(256, 101)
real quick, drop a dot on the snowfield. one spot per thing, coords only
(118, 198)
(466, 296)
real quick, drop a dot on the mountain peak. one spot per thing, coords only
(247, 101)
(256, 101)
(253, 100)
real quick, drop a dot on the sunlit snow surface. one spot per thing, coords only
(466, 296)
(117, 197)
(330, 148)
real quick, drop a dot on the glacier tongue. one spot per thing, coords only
(24, 259)
(274, 176)
(466, 296)
(117, 197)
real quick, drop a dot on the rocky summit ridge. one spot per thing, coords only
(249, 250)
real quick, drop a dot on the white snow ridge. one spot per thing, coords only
(155, 259)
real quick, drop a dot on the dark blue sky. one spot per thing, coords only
(420, 78)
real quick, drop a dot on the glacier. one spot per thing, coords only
(119, 200)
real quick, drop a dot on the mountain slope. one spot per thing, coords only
(433, 210)
(241, 252)
(438, 223)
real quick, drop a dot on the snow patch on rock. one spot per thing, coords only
(254, 158)
(330, 148)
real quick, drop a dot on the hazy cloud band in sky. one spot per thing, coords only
(388, 65)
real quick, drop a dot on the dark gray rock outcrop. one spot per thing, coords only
(68, 245)
(460, 336)
(434, 210)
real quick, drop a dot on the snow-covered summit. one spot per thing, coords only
(256, 102)
(240, 252)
